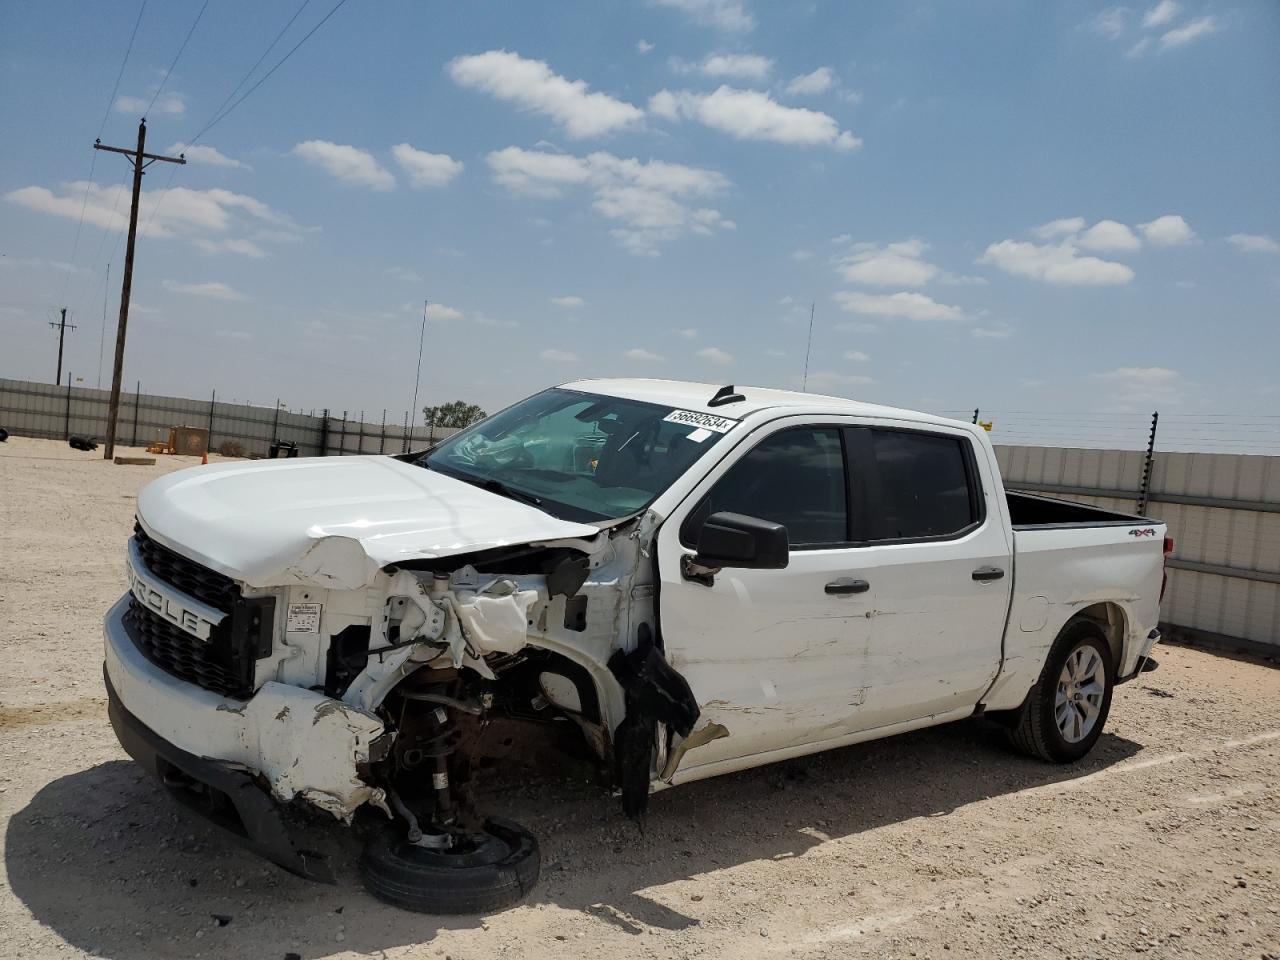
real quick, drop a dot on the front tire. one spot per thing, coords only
(489, 870)
(1066, 709)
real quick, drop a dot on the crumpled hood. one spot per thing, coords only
(332, 521)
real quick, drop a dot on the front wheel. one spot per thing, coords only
(484, 871)
(1066, 709)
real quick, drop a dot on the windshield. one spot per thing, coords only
(579, 456)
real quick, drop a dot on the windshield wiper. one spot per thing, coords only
(498, 487)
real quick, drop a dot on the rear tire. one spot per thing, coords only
(1066, 709)
(494, 870)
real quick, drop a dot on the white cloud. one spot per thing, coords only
(857, 356)
(1254, 243)
(559, 356)
(405, 274)
(206, 155)
(213, 289)
(40, 263)
(1181, 36)
(644, 356)
(894, 265)
(688, 333)
(1059, 263)
(739, 66)
(346, 163)
(999, 331)
(912, 306)
(752, 115)
(643, 46)
(426, 169)
(716, 356)
(1108, 235)
(1058, 228)
(1161, 14)
(174, 104)
(728, 15)
(801, 255)
(1167, 231)
(827, 379)
(819, 81)
(219, 216)
(569, 301)
(652, 201)
(439, 313)
(532, 85)
(1110, 22)
(231, 245)
(1142, 384)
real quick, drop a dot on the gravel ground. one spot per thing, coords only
(1165, 841)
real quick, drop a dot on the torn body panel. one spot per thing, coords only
(300, 742)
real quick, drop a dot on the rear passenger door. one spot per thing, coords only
(937, 556)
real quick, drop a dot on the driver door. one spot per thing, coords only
(771, 654)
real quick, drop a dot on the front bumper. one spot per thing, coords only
(296, 742)
(227, 796)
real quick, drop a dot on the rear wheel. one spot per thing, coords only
(1065, 711)
(483, 871)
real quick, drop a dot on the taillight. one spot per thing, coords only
(1164, 580)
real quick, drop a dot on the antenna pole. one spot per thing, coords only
(413, 411)
(805, 385)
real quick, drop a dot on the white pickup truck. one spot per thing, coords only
(690, 578)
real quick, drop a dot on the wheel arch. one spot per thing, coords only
(1111, 619)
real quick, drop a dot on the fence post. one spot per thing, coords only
(342, 437)
(404, 437)
(137, 399)
(975, 414)
(66, 418)
(212, 400)
(360, 436)
(275, 423)
(324, 433)
(382, 441)
(1146, 466)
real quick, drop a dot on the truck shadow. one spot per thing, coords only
(108, 862)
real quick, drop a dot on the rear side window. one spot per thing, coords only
(795, 478)
(925, 486)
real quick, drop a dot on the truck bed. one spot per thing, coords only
(1028, 511)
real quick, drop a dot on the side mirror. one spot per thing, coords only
(735, 540)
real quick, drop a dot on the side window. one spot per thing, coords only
(924, 485)
(795, 477)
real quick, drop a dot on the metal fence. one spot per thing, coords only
(57, 412)
(1222, 510)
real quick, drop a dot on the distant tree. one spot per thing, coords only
(455, 414)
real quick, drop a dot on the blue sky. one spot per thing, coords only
(1022, 206)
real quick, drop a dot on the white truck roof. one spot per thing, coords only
(692, 395)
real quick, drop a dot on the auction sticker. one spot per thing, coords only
(304, 618)
(703, 421)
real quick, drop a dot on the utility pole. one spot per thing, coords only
(62, 332)
(137, 158)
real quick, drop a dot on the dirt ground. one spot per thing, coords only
(1165, 841)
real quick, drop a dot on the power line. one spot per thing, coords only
(218, 118)
(177, 56)
(93, 161)
(266, 76)
(257, 63)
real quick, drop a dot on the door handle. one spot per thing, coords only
(987, 574)
(847, 585)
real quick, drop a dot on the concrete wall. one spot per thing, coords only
(1223, 512)
(46, 410)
